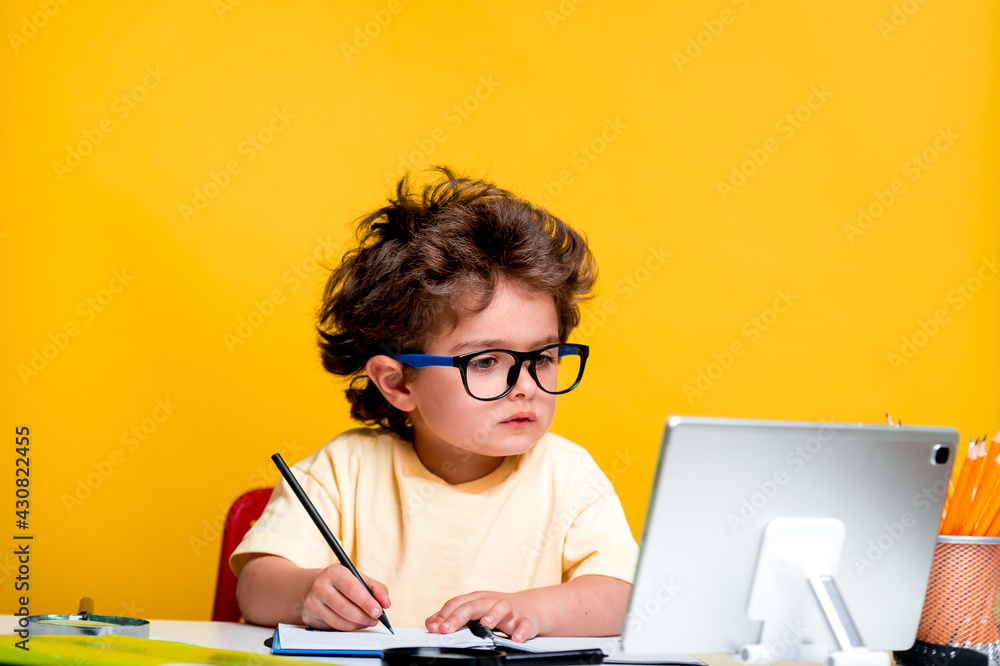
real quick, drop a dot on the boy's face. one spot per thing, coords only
(460, 438)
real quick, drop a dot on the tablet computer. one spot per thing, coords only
(721, 482)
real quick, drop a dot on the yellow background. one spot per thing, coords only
(598, 94)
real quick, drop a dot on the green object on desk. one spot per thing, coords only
(112, 650)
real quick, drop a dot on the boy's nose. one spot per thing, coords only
(524, 383)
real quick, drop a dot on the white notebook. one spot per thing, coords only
(290, 639)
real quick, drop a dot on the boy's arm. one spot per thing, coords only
(272, 589)
(589, 605)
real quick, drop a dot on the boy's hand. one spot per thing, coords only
(337, 600)
(512, 614)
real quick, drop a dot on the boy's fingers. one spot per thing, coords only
(327, 619)
(454, 620)
(448, 612)
(457, 602)
(356, 593)
(336, 624)
(379, 591)
(433, 623)
(496, 613)
(348, 599)
(448, 608)
(523, 631)
(319, 614)
(474, 610)
(519, 629)
(382, 597)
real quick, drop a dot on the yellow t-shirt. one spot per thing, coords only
(541, 518)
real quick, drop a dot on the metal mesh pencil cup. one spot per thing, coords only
(961, 607)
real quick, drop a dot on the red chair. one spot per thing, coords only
(242, 515)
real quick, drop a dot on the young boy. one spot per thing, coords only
(452, 315)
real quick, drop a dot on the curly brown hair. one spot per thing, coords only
(423, 255)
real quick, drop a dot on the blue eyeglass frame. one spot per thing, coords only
(462, 363)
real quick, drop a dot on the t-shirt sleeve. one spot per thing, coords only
(599, 540)
(286, 530)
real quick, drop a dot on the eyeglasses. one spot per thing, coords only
(491, 374)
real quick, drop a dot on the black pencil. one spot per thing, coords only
(323, 529)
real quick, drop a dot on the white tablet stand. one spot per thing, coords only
(796, 572)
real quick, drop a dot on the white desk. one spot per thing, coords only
(250, 638)
(220, 635)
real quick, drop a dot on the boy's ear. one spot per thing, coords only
(387, 373)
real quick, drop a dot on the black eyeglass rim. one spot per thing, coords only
(462, 363)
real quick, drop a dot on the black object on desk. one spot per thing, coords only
(562, 658)
(527, 657)
(429, 656)
(933, 654)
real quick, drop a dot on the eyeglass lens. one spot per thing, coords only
(487, 374)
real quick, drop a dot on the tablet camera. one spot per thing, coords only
(941, 454)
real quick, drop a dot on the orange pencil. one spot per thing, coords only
(979, 465)
(956, 470)
(984, 506)
(993, 526)
(964, 489)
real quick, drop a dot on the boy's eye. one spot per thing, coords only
(547, 358)
(483, 363)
